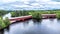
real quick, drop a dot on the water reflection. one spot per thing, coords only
(45, 26)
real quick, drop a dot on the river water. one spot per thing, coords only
(46, 26)
(56, 0)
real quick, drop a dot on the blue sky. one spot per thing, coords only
(29, 4)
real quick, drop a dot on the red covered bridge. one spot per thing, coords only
(48, 16)
(22, 18)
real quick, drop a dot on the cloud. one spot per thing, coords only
(7, 1)
(35, 4)
(20, 6)
(1, 8)
(31, 4)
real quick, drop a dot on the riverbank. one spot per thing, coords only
(36, 14)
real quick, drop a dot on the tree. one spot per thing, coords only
(58, 15)
(36, 16)
(2, 24)
(7, 21)
(13, 14)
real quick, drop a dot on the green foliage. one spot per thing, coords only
(4, 23)
(51, 12)
(35, 13)
(3, 12)
(19, 13)
(24, 12)
(58, 15)
(7, 21)
(14, 14)
(36, 16)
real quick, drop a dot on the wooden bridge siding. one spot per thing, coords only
(21, 18)
(12, 19)
(49, 16)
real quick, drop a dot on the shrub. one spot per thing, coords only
(4, 23)
(36, 16)
(58, 15)
(7, 21)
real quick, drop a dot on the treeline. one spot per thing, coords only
(19, 13)
(35, 13)
(3, 12)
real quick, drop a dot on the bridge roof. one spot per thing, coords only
(48, 14)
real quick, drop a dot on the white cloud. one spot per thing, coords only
(21, 6)
(24, 0)
(38, 4)
(35, 4)
(7, 1)
(1, 8)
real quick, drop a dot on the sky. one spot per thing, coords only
(29, 4)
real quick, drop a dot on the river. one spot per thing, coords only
(46, 26)
(56, 0)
